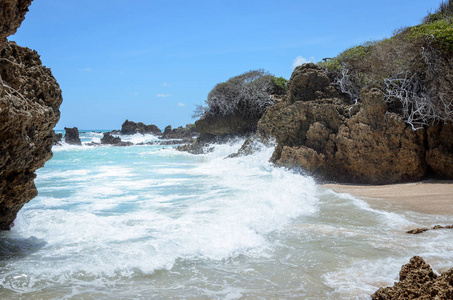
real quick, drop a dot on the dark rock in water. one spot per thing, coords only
(109, 139)
(72, 136)
(203, 144)
(417, 230)
(130, 127)
(30, 98)
(57, 137)
(418, 281)
(420, 230)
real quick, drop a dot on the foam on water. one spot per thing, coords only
(152, 221)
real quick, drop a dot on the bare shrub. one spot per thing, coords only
(247, 95)
(413, 69)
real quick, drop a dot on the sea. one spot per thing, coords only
(151, 222)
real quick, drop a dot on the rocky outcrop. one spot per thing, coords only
(130, 127)
(318, 130)
(57, 137)
(219, 129)
(12, 13)
(72, 136)
(109, 139)
(418, 281)
(181, 133)
(29, 109)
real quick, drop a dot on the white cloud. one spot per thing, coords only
(181, 104)
(134, 94)
(165, 84)
(164, 95)
(86, 69)
(302, 60)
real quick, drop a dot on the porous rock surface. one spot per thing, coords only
(318, 130)
(12, 13)
(29, 109)
(30, 98)
(418, 281)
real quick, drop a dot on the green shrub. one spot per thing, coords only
(440, 32)
(279, 85)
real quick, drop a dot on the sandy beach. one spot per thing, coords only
(431, 197)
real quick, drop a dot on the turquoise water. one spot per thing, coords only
(150, 222)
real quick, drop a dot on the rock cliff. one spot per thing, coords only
(30, 99)
(12, 13)
(318, 130)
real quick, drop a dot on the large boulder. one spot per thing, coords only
(418, 281)
(320, 131)
(30, 98)
(130, 127)
(72, 136)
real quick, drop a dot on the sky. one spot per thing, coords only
(153, 61)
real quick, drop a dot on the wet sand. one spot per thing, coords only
(430, 197)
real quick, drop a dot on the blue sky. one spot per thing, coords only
(153, 61)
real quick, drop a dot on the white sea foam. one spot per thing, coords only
(154, 222)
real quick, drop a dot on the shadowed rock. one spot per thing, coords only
(72, 136)
(57, 137)
(109, 139)
(30, 98)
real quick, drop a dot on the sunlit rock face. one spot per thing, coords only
(30, 98)
(319, 131)
(418, 281)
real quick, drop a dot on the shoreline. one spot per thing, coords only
(428, 196)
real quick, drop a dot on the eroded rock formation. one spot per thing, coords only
(418, 281)
(317, 129)
(30, 98)
(12, 13)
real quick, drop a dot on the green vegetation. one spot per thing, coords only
(413, 69)
(280, 85)
(439, 32)
(247, 95)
